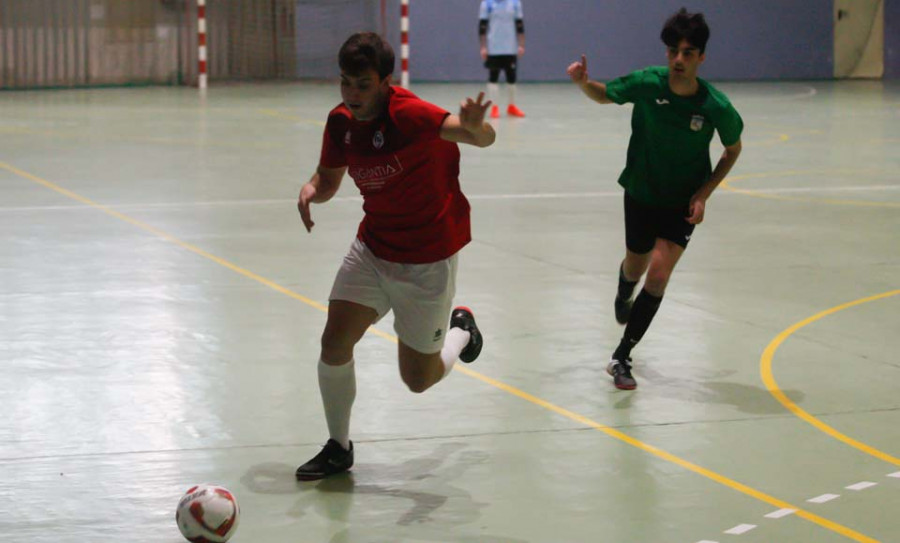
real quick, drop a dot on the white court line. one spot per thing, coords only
(861, 486)
(824, 498)
(810, 92)
(707, 541)
(896, 474)
(532, 196)
(740, 529)
(781, 513)
(541, 195)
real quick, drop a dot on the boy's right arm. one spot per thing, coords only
(321, 187)
(594, 90)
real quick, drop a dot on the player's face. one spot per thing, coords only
(365, 94)
(684, 60)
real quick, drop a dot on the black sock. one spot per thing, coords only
(626, 287)
(642, 313)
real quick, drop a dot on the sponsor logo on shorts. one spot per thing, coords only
(438, 334)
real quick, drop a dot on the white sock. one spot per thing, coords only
(454, 343)
(511, 93)
(493, 92)
(337, 385)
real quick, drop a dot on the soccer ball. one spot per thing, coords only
(207, 514)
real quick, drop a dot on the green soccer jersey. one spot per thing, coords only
(668, 155)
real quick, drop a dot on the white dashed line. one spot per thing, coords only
(824, 498)
(781, 513)
(740, 529)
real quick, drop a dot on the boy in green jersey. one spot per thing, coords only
(668, 176)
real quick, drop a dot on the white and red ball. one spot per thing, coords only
(207, 514)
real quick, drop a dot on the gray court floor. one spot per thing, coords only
(161, 305)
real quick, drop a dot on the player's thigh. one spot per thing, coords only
(672, 225)
(640, 227)
(357, 301)
(347, 322)
(421, 296)
(510, 70)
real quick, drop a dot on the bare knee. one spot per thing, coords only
(656, 281)
(635, 265)
(419, 371)
(416, 384)
(336, 350)
(416, 376)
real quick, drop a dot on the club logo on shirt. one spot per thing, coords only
(347, 138)
(697, 123)
(378, 140)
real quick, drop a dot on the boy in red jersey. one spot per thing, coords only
(402, 154)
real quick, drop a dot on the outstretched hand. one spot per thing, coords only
(471, 113)
(578, 71)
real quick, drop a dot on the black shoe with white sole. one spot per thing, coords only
(331, 460)
(621, 374)
(462, 318)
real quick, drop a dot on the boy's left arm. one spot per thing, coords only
(469, 126)
(698, 201)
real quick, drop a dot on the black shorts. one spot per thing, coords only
(501, 62)
(643, 224)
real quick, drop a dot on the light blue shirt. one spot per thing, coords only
(501, 16)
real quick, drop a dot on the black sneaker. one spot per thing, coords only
(621, 373)
(462, 317)
(623, 309)
(331, 460)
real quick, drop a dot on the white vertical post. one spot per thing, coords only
(404, 44)
(201, 44)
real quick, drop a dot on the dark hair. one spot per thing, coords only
(366, 50)
(686, 26)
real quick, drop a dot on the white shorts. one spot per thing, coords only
(421, 295)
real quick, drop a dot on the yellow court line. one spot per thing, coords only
(164, 235)
(781, 138)
(721, 479)
(726, 185)
(765, 370)
(181, 142)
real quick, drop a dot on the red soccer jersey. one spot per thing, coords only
(408, 176)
